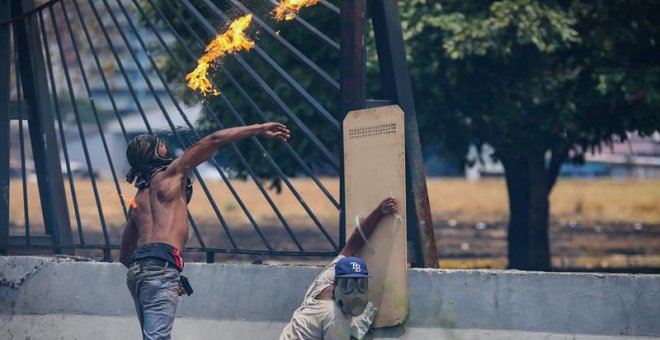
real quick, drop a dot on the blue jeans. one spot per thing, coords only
(154, 288)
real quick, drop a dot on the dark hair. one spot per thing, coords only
(140, 152)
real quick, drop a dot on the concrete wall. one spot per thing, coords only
(44, 298)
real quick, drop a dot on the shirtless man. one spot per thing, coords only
(157, 228)
(338, 296)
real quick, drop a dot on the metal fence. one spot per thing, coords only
(79, 78)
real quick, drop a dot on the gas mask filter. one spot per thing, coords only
(351, 294)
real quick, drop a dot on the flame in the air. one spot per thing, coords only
(288, 9)
(231, 41)
(234, 40)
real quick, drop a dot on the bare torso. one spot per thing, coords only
(161, 212)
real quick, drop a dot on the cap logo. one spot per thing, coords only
(356, 267)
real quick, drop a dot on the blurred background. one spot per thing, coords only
(539, 124)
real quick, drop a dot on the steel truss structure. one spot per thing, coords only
(60, 66)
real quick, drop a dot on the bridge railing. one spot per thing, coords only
(98, 78)
(79, 78)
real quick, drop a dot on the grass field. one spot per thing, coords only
(587, 201)
(592, 219)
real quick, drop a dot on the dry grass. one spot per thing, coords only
(199, 207)
(612, 223)
(466, 201)
(584, 201)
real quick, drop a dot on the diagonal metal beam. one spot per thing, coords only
(320, 35)
(272, 95)
(330, 6)
(296, 53)
(242, 159)
(180, 110)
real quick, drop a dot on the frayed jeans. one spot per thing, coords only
(154, 288)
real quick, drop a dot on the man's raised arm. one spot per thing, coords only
(355, 242)
(201, 151)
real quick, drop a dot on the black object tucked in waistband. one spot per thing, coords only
(159, 252)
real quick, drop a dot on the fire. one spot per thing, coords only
(231, 41)
(288, 9)
(130, 201)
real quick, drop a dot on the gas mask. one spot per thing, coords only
(350, 294)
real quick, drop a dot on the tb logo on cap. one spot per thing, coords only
(351, 267)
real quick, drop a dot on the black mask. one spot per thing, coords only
(142, 155)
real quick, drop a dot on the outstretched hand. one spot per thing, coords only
(275, 130)
(388, 205)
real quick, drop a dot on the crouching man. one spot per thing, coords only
(157, 227)
(339, 293)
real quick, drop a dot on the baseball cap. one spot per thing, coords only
(351, 266)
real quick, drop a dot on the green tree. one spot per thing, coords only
(542, 82)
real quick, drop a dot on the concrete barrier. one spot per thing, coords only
(48, 298)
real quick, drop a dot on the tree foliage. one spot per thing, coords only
(527, 75)
(540, 81)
